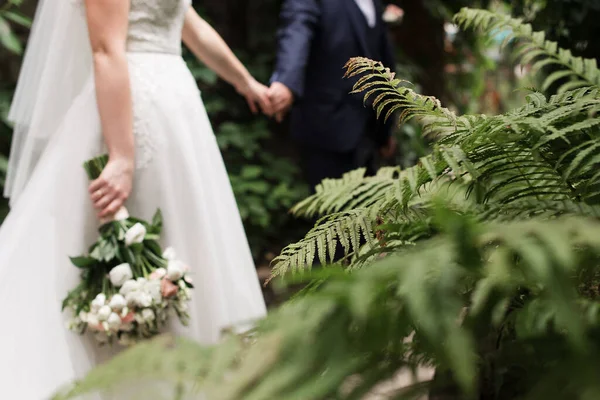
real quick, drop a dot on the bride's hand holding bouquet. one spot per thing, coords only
(112, 187)
(129, 286)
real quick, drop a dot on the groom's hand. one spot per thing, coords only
(281, 98)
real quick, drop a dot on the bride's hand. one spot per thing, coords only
(113, 186)
(257, 96)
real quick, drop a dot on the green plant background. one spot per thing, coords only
(261, 160)
(475, 252)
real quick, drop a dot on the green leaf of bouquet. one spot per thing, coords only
(83, 262)
(128, 255)
(136, 248)
(106, 250)
(157, 221)
(152, 245)
(151, 236)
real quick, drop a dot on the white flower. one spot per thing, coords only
(104, 313)
(121, 215)
(120, 274)
(144, 300)
(117, 302)
(92, 320)
(129, 286)
(142, 282)
(175, 270)
(83, 316)
(393, 14)
(135, 234)
(98, 302)
(158, 274)
(114, 321)
(153, 289)
(169, 254)
(148, 315)
(131, 298)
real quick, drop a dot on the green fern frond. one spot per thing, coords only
(346, 229)
(384, 91)
(514, 284)
(534, 49)
(506, 157)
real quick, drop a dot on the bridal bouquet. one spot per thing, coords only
(129, 287)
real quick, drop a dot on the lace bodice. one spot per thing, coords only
(155, 25)
(154, 34)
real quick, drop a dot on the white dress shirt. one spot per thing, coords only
(368, 9)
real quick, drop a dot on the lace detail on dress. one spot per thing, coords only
(155, 25)
(143, 76)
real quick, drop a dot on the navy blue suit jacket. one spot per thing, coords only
(316, 39)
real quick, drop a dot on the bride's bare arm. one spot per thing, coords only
(107, 24)
(211, 49)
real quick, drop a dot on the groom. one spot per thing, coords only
(336, 131)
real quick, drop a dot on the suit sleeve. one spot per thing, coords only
(299, 20)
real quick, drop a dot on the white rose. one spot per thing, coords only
(121, 215)
(83, 316)
(169, 254)
(117, 302)
(148, 315)
(129, 286)
(153, 289)
(92, 320)
(114, 321)
(144, 300)
(98, 302)
(157, 274)
(120, 274)
(142, 282)
(175, 270)
(135, 234)
(131, 298)
(104, 313)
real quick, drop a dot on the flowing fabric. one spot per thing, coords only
(178, 169)
(56, 65)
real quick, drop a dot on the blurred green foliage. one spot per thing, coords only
(261, 159)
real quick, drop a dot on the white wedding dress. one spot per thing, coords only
(178, 169)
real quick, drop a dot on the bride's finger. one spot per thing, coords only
(96, 185)
(104, 201)
(97, 195)
(111, 209)
(265, 104)
(251, 104)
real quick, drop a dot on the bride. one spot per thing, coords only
(107, 76)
